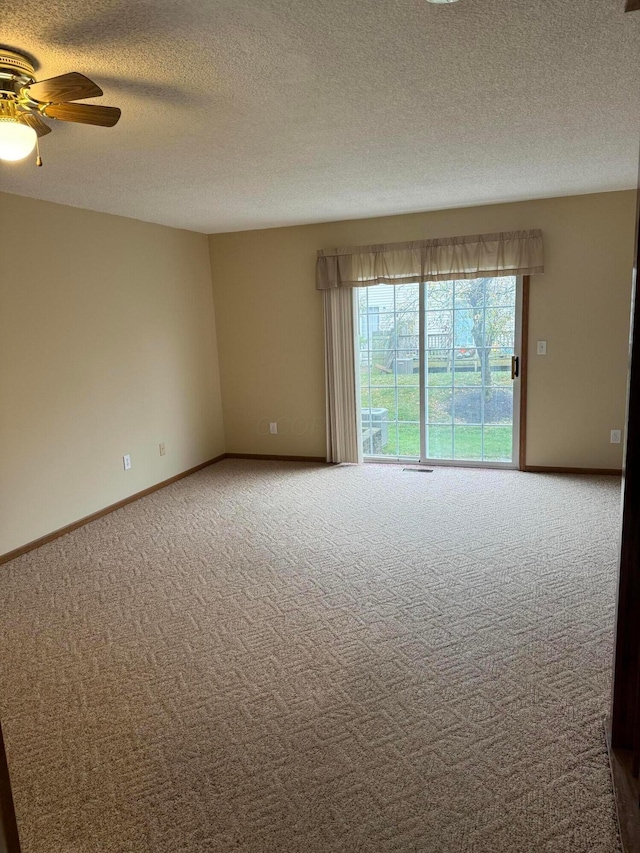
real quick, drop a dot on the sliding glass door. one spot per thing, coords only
(389, 345)
(439, 365)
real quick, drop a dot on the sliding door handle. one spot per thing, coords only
(515, 366)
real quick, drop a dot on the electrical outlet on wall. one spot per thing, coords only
(126, 462)
(163, 449)
(541, 349)
(616, 436)
(273, 428)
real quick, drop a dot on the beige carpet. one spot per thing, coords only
(285, 657)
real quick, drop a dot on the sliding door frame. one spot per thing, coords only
(524, 366)
(422, 339)
(521, 346)
(521, 342)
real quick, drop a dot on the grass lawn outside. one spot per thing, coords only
(454, 413)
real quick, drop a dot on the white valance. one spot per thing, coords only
(442, 259)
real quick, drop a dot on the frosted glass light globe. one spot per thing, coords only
(17, 140)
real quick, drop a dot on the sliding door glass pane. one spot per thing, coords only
(467, 406)
(499, 406)
(467, 369)
(469, 343)
(500, 291)
(409, 439)
(467, 442)
(389, 346)
(498, 367)
(498, 443)
(440, 442)
(439, 407)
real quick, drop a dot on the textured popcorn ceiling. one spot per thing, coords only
(252, 113)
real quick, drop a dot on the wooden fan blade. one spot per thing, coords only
(34, 121)
(84, 114)
(633, 6)
(67, 87)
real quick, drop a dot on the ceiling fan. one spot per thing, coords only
(24, 102)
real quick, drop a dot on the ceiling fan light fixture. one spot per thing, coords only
(441, 2)
(17, 140)
(25, 103)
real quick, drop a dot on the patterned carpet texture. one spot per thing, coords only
(284, 657)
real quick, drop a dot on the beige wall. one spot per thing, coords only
(269, 319)
(108, 344)
(107, 347)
